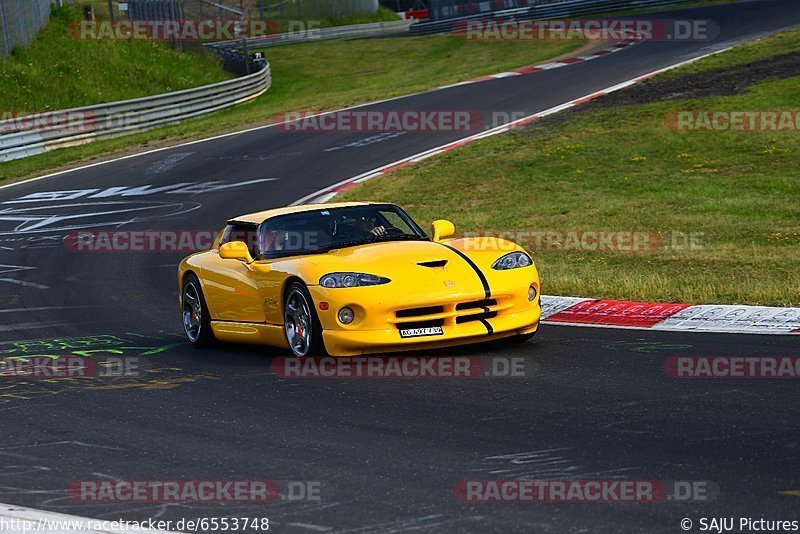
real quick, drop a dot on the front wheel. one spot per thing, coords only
(194, 311)
(300, 323)
(522, 338)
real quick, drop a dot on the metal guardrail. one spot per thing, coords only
(336, 32)
(568, 8)
(20, 138)
(58, 129)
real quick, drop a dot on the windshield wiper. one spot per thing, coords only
(402, 237)
(344, 244)
(376, 239)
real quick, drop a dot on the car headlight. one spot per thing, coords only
(513, 260)
(352, 280)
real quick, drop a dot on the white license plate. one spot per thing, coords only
(417, 332)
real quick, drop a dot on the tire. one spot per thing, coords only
(195, 315)
(522, 338)
(301, 325)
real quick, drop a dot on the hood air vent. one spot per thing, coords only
(433, 263)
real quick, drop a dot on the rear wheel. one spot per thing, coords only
(194, 311)
(300, 322)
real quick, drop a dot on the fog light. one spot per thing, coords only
(531, 293)
(346, 315)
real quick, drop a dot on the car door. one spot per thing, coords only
(231, 286)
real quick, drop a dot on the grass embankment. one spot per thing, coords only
(382, 15)
(57, 71)
(319, 76)
(621, 168)
(314, 15)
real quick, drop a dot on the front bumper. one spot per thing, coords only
(465, 311)
(355, 341)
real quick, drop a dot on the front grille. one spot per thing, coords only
(475, 317)
(420, 324)
(448, 315)
(485, 303)
(416, 312)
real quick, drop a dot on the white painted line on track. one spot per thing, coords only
(329, 192)
(254, 129)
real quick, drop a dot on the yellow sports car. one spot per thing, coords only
(355, 278)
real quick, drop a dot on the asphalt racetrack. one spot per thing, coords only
(590, 403)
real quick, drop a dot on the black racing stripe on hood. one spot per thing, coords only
(486, 289)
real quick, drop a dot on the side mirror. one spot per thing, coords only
(442, 229)
(235, 250)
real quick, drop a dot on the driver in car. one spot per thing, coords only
(365, 225)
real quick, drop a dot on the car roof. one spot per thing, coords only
(258, 217)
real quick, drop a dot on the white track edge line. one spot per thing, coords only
(500, 129)
(231, 134)
(612, 49)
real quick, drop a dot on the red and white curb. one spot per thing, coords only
(673, 317)
(548, 66)
(324, 195)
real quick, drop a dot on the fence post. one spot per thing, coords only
(22, 13)
(4, 29)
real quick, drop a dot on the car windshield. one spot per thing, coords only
(318, 231)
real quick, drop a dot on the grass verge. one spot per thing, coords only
(323, 76)
(619, 168)
(781, 43)
(57, 71)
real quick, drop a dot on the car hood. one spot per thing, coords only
(417, 265)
